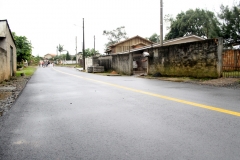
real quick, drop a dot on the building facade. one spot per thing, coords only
(8, 56)
(49, 56)
(128, 45)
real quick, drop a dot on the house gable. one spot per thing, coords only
(128, 44)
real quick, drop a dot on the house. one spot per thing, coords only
(128, 44)
(180, 40)
(49, 56)
(8, 56)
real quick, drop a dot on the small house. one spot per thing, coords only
(128, 45)
(49, 56)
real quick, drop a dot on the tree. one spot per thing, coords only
(68, 57)
(230, 26)
(35, 59)
(24, 48)
(62, 57)
(202, 23)
(90, 52)
(60, 48)
(154, 38)
(115, 36)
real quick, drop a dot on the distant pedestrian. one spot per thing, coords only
(48, 63)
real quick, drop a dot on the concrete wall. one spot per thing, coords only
(69, 62)
(3, 62)
(123, 63)
(196, 59)
(91, 61)
(6, 42)
(105, 61)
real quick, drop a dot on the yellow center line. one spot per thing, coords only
(160, 96)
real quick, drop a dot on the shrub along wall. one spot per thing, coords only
(196, 59)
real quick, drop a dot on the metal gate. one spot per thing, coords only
(231, 63)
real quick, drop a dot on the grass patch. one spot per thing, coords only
(28, 71)
(231, 74)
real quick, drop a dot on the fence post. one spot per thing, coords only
(219, 58)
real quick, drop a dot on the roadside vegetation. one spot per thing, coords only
(26, 71)
(231, 74)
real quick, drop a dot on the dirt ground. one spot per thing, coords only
(220, 82)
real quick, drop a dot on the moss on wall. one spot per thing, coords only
(196, 59)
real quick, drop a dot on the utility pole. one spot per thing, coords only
(161, 23)
(76, 51)
(94, 46)
(83, 48)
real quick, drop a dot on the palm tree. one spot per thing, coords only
(60, 48)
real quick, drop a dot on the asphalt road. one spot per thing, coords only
(66, 114)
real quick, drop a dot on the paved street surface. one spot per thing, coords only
(66, 114)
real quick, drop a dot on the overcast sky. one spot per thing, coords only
(47, 23)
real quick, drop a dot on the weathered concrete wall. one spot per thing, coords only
(6, 42)
(3, 62)
(123, 63)
(195, 59)
(69, 62)
(91, 61)
(105, 61)
(3, 31)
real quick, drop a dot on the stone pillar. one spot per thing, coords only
(219, 60)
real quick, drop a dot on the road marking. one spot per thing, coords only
(159, 96)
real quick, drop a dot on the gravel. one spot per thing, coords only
(10, 91)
